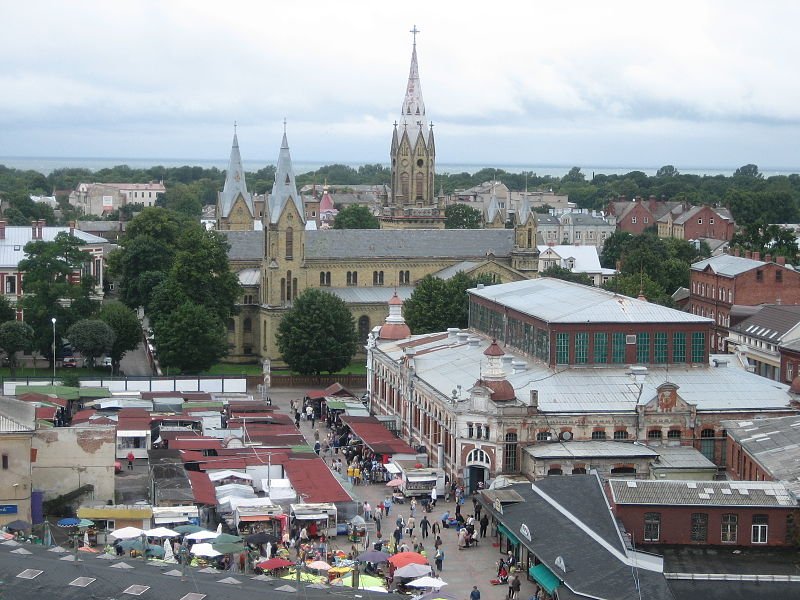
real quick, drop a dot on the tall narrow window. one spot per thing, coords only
(600, 348)
(5, 461)
(289, 243)
(288, 286)
(404, 185)
(730, 529)
(643, 348)
(562, 348)
(420, 181)
(699, 527)
(618, 348)
(678, 347)
(510, 453)
(698, 347)
(707, 443)
(660, 348)
(247, 325)
(581, 348)
(652, 526)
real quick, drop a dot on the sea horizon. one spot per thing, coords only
(48, 164)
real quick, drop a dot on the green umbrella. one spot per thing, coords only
(227, 538)
(188, 528)
(85, 523)
(227, 547)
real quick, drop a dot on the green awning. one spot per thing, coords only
(544, 577)
(511, 537)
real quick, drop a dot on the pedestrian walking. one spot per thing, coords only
(131, 458)
(377, 519)
(433, 496)
(439, 560)
(424, 525)
(367, 511)
(484, 525)
(475, 594)
(413, 506)
(515, 587)
(397, 535)
(411, 524)
(438, 543)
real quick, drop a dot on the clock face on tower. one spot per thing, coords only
(405, 162)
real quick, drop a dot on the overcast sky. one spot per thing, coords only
(694, 84)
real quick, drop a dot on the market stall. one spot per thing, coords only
(319, 518)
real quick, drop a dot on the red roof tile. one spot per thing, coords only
(46, 412)
(376, 436)
(312, 478)
(202, 488)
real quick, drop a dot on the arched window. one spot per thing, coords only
(294, 288)
(231, 326)
(289, 290)
(289, 243)
(543, 436)
(327, 278)
(404, 185)
(621, 435)
(247, 325)
(674, 434)
(599, 435)
(510, 453)
(654, 434)
(283, 289)
(477, 456)
(624, 470)
(555, 471)
(363, 328)
(579, 471)
(321, 278)
(420, 185)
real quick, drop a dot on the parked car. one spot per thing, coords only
(69, 362)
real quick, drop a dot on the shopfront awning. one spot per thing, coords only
(312, 517)
(544, 577)
(167, 520)
(506, 532)
(255, 518)
(132, 433)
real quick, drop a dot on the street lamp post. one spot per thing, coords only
(54, 350)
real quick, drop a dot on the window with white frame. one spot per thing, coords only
(759, 529)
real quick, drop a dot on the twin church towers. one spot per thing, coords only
(411, 202)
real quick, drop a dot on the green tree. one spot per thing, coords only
(317, 334)
(139, 265)
(127, 330)
(190, 338)
(561, 273)
(356, 216)
(461, 216)
(613, 248)
(7, 312)
(15, 336)
(436, 304)
(49, 291)
(633, 285)
(667, 171)
(92, 338)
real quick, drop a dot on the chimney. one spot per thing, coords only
(534, 403)
(768, 258)
(2, 230)
(35, 230)
(781, 260)
(756, 255)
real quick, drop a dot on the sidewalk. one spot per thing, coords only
(462, 568)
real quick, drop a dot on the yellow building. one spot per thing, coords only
(285, 254)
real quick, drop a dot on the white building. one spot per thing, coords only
(102, 198)
(578, 259)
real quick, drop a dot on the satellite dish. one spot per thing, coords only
(560, 563)
(566, 436)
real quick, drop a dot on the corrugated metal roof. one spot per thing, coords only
(701, 493)
(770, 323)
(682, 457)
(590, 449)
(774, 443)
(557, 301)
(11, 247)
(728, 265)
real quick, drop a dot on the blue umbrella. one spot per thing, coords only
(69, 522)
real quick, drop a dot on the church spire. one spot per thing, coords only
(493, 210)
(284, 189)
(413, 111)
(234, 181)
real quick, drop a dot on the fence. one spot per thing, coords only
(217, 384)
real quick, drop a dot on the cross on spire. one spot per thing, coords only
(284, 125)
(414, 32)
(234, 127)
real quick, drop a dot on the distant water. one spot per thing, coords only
(46, 165)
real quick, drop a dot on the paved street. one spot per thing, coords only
(462, 568)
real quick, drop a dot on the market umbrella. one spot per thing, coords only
(413, 570)
(319, 565)
(374, 556)
(427, 582)
(306, 577)
(202, 535)
(358, 520)
(439, 596)
(68, 522)
(262, 537)
(274, 563)
(188, 528)
(227, 538)
(161, 532)
(126, 533)
(204, 549)
(401, 559)
(136, 544)
(85, 523)
(18, 525)
(86, 538)
(396, 482)
(227, 547)
(169, 555)
(364, 581)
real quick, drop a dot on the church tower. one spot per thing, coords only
(234, 203)
(284, 226)
(493, 216)
(525, 255)
(412, 203)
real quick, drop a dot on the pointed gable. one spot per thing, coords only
(284, 190)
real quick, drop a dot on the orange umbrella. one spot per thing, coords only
(401, 559)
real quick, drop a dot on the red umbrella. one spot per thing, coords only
(401, 559)
(274, 563)
(396, 482)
